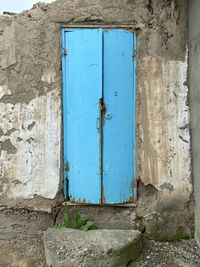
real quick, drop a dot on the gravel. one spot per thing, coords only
(169, 254)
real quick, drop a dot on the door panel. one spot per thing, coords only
(118, 135)
(99, 149)
(82, 68)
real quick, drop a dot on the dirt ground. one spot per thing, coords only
(21, 237)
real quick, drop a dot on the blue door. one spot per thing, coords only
(118, 130)
(99, 115)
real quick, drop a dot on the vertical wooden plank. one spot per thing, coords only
(118, 132)
(82, 90)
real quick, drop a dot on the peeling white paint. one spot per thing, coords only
(165, 157)
(35, 168)
(49, 76)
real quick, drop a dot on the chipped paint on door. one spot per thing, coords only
(82, 91)
(99, 141)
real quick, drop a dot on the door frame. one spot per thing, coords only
(130, 28)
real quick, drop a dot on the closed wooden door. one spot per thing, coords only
(99, 115)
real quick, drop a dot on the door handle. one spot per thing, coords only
(98, 123)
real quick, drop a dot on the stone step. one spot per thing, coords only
(103, 247)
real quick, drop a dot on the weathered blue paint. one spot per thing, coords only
(118, 131)
(99, 64)
(82, 90)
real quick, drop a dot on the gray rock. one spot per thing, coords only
(70, 247)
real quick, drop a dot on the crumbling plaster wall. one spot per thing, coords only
(31, 89)
(194, 69)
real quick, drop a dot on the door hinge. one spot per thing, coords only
(134, 53)
(65, 52)
(67, 166)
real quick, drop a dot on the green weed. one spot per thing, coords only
(81, 223)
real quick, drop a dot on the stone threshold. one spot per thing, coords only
(125, 205)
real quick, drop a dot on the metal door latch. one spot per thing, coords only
(102, 105)
(64, 52)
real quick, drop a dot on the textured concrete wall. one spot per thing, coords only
(30, 110)
(31, 88)
(194, 69)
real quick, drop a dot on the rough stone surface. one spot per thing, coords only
(69, 247)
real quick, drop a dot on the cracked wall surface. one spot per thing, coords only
(31, 92)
